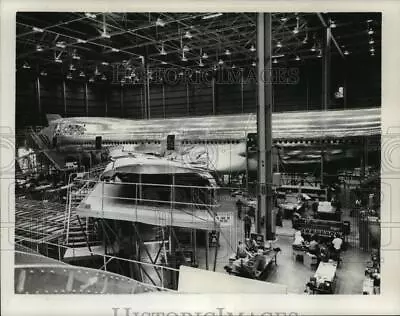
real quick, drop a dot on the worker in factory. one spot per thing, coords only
(298, 240)
(313, 247)
(337, 246)
(239, 206)
(241, 251)
(26, 158)
(247, 225)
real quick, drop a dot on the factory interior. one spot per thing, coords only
(161, 152)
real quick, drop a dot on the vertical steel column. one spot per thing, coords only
(64, 97)
(163, 97)
(242, 89)
(145, 92)
(39, 103)
(148, 90)
(213, 95)
(106, 101)
(86, 99)
(187, 100)
(326, 67)
(264, 127)
(122, 101)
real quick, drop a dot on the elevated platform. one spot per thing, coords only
(106, 201)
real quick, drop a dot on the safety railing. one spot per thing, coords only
(149, 193)
(150, 274)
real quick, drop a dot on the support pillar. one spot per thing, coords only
(64, 97)
(326, 69)
(39, 103)
(86, 99)
(264, 126)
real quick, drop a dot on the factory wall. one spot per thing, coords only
(37, 95)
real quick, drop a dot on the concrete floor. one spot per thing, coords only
(293, 274)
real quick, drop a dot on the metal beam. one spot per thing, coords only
(326, 70)
(333, 38)
(264, 121)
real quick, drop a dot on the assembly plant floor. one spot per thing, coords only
(293, 274)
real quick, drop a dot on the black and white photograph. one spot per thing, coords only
(211, 152)
(199, 159)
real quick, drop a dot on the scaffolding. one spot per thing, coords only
(111, 216)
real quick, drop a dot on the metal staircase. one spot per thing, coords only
(79, 232)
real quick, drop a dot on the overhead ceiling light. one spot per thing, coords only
(279, 44)
(160, 22)
(79, 40)
(371, 41)
(186, 48)
(43, 73)
(201, 64)
(69, 76)
(313, 48)
(284, 19)
(253, 64)
(215, 68)
(61, 44)
(39, 48)
(90, 15)
(252, 48)
(188, 35)
(233, 66)
(103, 77)
(91, 79)
(319, 53)
(104, 63)
(296, 29)
(297, 58)
(184, 57)
(372, 49)
(370, 31)
(227, 52)
(116, 50)
(205, 56)
(220, 62)
(105, 35)
(305, 40)
(372, 54)
(58, 60)
(72, 67)
(163, 63)
(97, 72)
(211, 16)
(76, 56)
(26, 65)
(163, 52)
(369, 21)
(346, 52)
(37, 29)
(81, 74)
(332, 24)
(275, 61)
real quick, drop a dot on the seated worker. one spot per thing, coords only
(323, 254)
(314, 207)
(298, 240)
(241, 251)
(254, 245)
(313, 247)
